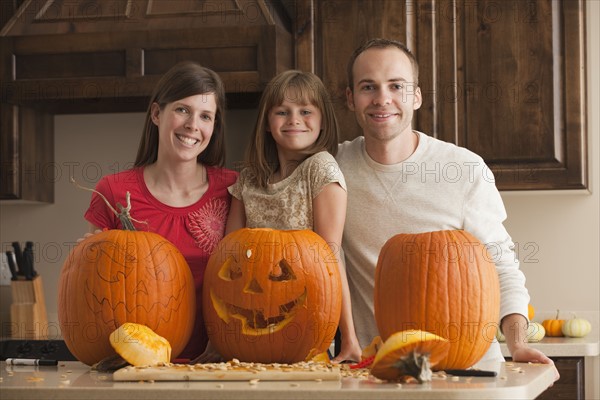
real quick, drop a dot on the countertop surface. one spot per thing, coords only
(588, 346)
(74, 380)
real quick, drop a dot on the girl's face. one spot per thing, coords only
(295, 124)
(185, 126)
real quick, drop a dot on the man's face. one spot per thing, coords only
(384, 96)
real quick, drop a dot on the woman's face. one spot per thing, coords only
(295, 124)
(185, 126)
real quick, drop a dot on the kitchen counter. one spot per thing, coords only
(74, 380)
(577, 360)
(588, 346)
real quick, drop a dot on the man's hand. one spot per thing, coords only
(514, 328)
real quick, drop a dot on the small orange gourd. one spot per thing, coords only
(553, 327)
(530, 312)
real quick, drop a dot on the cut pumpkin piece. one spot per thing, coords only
(410, 352)
(372, 348)
(322, 357)
(140, 345)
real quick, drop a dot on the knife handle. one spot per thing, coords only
(470, 372)
(19, 257)
(10, 258)
(31, 261)
(28, 263)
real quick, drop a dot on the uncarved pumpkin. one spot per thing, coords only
(553, 327)
(442, 282)
(271, 296)
(576, 327)
(120, 276)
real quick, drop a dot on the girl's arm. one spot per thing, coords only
(237, 216)
(329, 216)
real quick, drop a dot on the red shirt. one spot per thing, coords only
(195, 229)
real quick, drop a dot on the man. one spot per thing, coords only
(403, 181)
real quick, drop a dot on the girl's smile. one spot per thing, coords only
(295, 125)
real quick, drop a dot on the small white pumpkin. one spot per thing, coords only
(576, 327)
(499, 335)
(535, 332)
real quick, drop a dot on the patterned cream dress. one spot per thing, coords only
(287, 204)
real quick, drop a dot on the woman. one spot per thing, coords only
(178, 185)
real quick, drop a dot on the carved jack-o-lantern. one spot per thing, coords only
(271, 296)
(120, 276)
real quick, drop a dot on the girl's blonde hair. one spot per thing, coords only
(261, 156)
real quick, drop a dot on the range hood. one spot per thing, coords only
(64, 56)
(101, 56)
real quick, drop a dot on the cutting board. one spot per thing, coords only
(230, 372)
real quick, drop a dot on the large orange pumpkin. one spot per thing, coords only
(271, 296)
(120, 276)
(442, 282)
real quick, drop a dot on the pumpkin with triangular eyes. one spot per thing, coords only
(271, 296)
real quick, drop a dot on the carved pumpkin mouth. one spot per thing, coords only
(254, 322)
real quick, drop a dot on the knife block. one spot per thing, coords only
(28, 316)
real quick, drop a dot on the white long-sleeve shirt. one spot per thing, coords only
(440, 186)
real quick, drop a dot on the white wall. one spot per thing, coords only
(558, 233)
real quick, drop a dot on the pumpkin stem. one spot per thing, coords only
(557, 314)
(122, 214)
(416, 365)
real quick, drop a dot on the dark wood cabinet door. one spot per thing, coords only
(505, 79)
(340, 27)
(571, 384)
(27, 169)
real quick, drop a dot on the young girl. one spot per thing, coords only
(178, 186)
(291, 179)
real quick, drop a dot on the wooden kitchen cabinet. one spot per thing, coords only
(571, 384)
(27, 171)
(503, 79)
(100, 56)
(107, 56)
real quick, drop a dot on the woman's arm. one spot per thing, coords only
(237, 216)
(329, 216)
